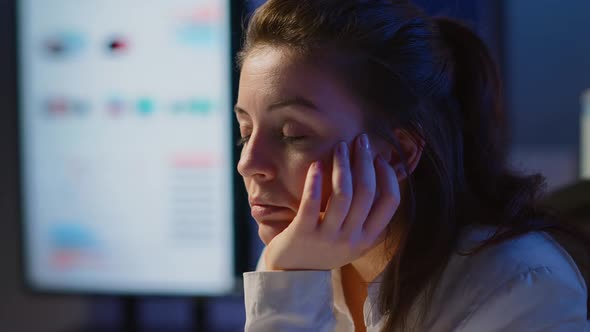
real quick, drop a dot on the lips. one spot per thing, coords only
(261, 211)
(260, 201)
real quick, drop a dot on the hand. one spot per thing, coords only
(354, 218)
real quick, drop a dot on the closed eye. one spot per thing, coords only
(242, 140)
(288, 139)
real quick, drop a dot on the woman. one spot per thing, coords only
(374, 159)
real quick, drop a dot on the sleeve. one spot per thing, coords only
(534, 301)
(288, 301)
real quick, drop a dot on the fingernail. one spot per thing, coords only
(365, 141)
(318, 165)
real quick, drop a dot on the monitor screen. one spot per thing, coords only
(125, 139)
(585, 136)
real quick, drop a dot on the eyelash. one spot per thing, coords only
(288, 139)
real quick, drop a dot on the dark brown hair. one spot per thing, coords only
(436, 79)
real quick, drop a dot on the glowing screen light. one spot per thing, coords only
(125, 124)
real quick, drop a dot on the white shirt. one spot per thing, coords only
(529, 283)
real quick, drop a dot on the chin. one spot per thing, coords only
(266, 236)
(267, 231)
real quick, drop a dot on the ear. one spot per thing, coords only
(410, 146)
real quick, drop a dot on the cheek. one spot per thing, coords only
(326, 178)
(296, 174)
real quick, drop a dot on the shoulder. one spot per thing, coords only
(533, 252)
(526, 280)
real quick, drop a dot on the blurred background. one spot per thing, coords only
(117, 158)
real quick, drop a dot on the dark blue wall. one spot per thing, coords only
(547, 67)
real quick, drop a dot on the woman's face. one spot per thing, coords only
(292, 114)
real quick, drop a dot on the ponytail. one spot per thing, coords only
(477, 90)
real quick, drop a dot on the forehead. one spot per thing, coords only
(272, 74)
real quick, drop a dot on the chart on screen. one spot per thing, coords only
(126, 151)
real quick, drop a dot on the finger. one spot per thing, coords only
(363, 174)
(311, 200)
(341, 197)
(386, 204)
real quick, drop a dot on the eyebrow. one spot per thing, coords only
(294, 101)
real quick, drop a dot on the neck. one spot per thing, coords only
(374, 261)
(370, 265)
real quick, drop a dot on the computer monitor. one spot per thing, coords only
(127, 161)
(585, 136)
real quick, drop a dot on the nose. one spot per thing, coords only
(256, 159)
